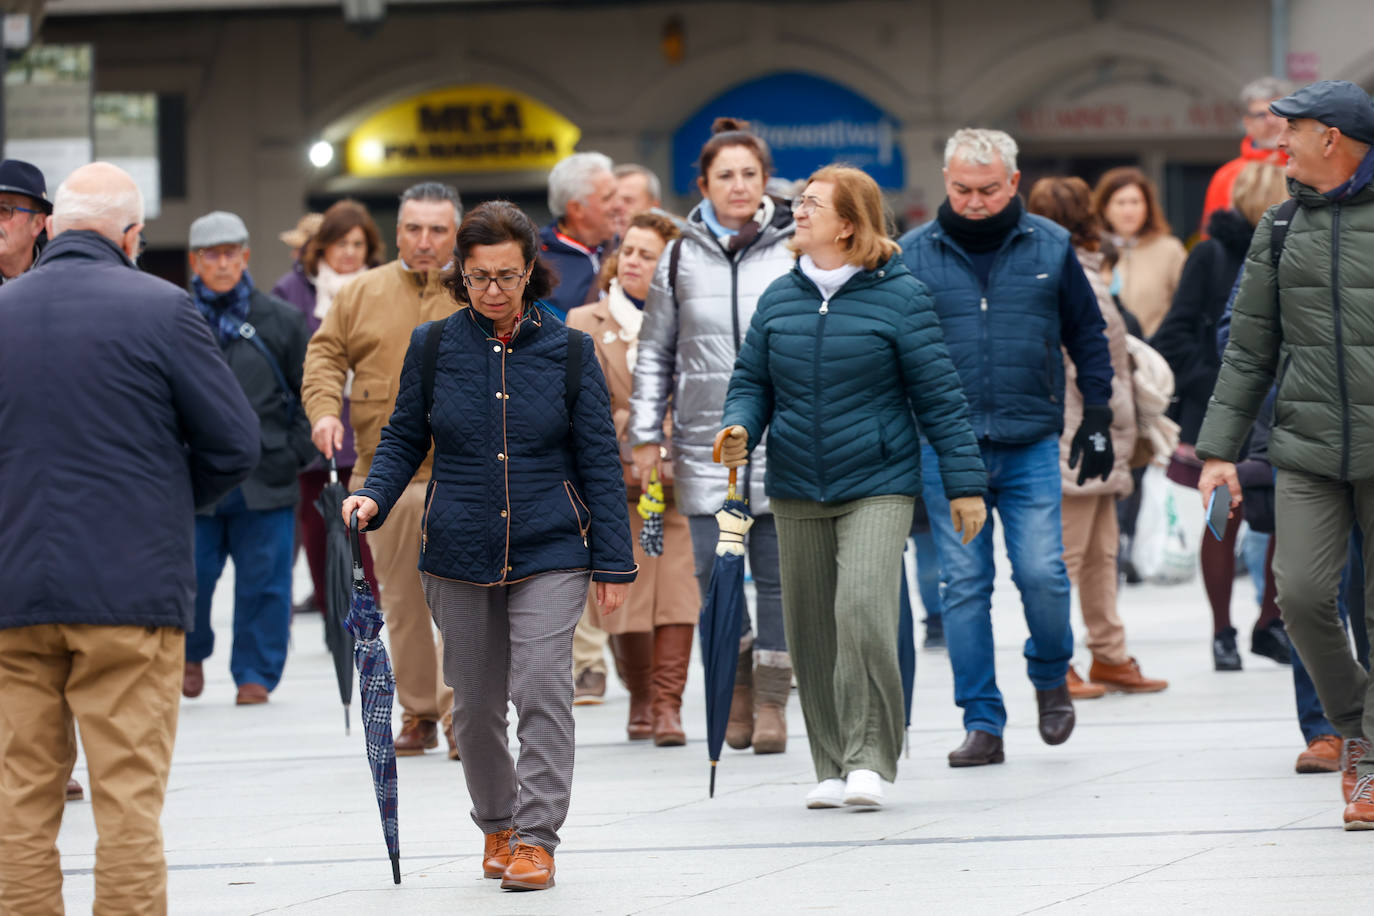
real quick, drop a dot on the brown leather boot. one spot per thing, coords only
(1081, 690)
(772, 686)
(417, 736)
(496, 853)
(739, 731)
(74, 791)
(451, 737)
(634, 659)
(1125, 677)
(530, 869)
(672, 653)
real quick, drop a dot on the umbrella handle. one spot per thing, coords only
(355, 541)
(715, 456)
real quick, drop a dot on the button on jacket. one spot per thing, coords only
(516, 490)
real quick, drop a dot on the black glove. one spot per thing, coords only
(1093, 444)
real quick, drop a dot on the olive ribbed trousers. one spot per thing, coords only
(840, 565)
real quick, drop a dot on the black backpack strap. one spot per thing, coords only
(1279, 229)
(674, 257)
(293, 404)
(429, 357)
(572, 371)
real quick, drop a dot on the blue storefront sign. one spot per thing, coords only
(808, 122)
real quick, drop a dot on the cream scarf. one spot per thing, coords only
(628, 317)
(327, 286)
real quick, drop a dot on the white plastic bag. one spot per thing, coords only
(1165, 550)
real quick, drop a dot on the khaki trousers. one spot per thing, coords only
(1091, 539)
(123, 687)
(1314, 516)
(417, 651)
(589, 646)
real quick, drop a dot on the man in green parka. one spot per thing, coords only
(1304, 321)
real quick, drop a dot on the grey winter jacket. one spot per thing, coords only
(687, 350)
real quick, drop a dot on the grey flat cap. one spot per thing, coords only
(1335, 103)
(218, 228)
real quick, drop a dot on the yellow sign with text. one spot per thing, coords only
(461, 129)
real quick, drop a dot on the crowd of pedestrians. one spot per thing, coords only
(501, 400)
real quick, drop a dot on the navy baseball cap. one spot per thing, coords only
(1335, 103)
(20, 177)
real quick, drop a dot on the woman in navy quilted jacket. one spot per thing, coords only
(526, 506)
(841, 353)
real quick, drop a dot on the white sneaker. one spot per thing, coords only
(865, 788)
(829, 793)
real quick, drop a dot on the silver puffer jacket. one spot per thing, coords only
(687, 351)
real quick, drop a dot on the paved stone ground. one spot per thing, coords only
(1180, 801)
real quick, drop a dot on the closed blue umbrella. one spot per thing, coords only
(377, 690)
(721, 617)
(338, 585)
(906, 651)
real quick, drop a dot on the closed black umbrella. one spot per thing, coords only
(338, 585)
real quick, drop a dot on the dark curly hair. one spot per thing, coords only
(493, 223)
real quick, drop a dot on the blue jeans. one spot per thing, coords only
(928, 573)
(1024, 489)
(762, 544)
(1255, 550)
(261, 544)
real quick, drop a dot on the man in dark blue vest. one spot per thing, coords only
(1010, 292)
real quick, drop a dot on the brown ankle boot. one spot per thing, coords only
(634, 659)
(739, 731)
(772, 686)
(672, 653)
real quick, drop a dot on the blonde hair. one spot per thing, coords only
(1259, 186)
(858, 199)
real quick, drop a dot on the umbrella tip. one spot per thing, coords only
(348, 725)
(713, 779)
(395, 869)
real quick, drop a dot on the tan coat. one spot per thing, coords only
(1122, 403)
(367, 330)
(665, 592)
(1150, 270)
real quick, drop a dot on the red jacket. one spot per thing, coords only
(1219, 189)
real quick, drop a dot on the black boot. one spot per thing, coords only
(935, 633)
(1272, 641)
(1225, 655)
(1056, 714)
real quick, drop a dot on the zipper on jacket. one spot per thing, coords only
(574, 501)
(818, 389)
(424, 525)
(1340, 346)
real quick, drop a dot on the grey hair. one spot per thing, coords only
(436, 192)
(573, 179)
(634, 168)
(977, 145)
(106, 212)
(1265, 89)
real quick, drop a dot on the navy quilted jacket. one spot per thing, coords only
(1004, 335)
(835, 382)
(516, 491)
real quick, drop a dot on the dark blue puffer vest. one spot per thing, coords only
(1004, 339)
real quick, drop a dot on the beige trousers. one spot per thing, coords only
(589, 645)
(417, 649)
(122, 685)
(1091, 539)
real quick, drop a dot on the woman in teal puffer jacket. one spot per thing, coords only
(840, 353)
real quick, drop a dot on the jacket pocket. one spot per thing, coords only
(424, 521)
(369, 407)
(1050, 387)
(579, 511)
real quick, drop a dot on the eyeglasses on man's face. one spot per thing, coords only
(507, 282)
(808, 204)
(7, 211)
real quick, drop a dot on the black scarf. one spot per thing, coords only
(979, 235)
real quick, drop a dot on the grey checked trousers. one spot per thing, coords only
(513, 641)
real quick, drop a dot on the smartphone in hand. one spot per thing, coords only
(1218, 509)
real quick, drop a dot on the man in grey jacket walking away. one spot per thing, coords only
(1304, 321)
(118, 416)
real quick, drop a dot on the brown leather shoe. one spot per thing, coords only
(1359, 811)
(1323, 755)
(416, 736)
(496, 854)
(193, 680)
(672, 655)
(589, 689)
(530, 867)
(74, 791)
(451, 737)
(1056, 714)
(251, 695)
(1352, 750)
(634, 659)
(979, 749)
(739, 730)
(772, 687)
(1125, 678)
(1081, 690)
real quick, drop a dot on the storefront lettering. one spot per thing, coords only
(459, 119)
(480, 149)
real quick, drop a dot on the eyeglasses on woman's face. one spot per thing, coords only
(808, 204)
(505, 281)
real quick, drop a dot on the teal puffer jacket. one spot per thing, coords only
(1314, 340)
(836, 381)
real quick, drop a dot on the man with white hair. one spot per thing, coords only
(585, 208)
(1009, 293)
(120, 418)
(1260, 143)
